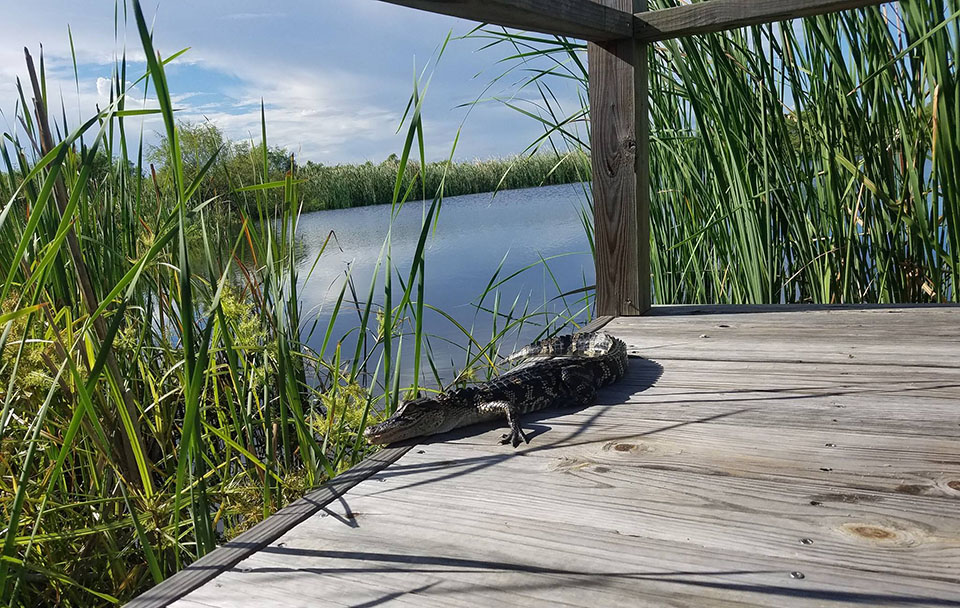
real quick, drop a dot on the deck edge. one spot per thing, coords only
(256, 538)
(273, 527)
(595, 325)
(671, 310)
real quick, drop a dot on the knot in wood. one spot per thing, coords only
(621, 158)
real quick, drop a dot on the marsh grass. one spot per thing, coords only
(158, 394)
(342, 186)
(350, 185)
(814, 161)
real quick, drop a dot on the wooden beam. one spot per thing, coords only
(719, 15)
(575, 18)
(619, 136)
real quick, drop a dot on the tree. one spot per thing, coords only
(235, 164)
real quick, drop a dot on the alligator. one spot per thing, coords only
(564, 370)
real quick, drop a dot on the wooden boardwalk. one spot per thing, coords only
(754, 456)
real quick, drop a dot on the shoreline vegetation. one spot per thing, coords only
(814, 161)
(343, 186)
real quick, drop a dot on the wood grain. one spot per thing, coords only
(720, 15)
(225, 557)
(717, 470)
(575, 18)
(673, 505)
(619, 135)
(641, 97)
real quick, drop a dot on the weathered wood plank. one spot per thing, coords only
(619, 134)
(575, 18)
(878, 336)
(571, 549)
(767, 396)
(765, 517)
(720, 15)
(225, 557)
(794, 310)
(693, 482)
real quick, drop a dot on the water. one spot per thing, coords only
(473, 235)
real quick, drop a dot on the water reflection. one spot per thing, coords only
(473, 235)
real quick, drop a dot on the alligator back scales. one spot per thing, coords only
(566, 370)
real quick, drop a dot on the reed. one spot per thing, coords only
(158, 393)
(809, 162)
(343, 186)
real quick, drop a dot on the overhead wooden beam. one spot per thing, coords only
(619, 141)
(583, 19)
(720, 15)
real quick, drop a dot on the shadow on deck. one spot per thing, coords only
(773, 456)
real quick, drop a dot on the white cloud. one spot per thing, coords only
(330, 91)
(104, 85)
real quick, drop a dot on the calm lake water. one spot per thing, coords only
(473, 235)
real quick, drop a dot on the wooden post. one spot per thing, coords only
(621, 32)
(619, 119)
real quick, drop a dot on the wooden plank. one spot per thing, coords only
(246, 544)
(421, 560)
(720, 15)
(619, 135)
(596, 325)
(875, 336)
(679, 503)
(720, 447)
(487, 539)
(575, 18)
(699, 480)
(795, 310)
(771, 396)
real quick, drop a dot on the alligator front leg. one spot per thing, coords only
(512, 414)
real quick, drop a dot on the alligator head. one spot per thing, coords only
(424, 416)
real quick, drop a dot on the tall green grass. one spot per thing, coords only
(158, 393)
(815, 161)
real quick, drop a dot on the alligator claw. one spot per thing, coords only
(514, 437)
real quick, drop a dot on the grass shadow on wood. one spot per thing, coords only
(382, 562)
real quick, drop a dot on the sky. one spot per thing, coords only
(334, 75)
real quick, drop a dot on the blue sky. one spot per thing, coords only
(335, 75)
